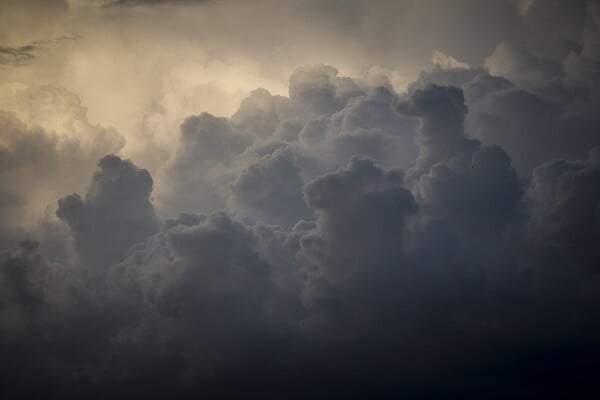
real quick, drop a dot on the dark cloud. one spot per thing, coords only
(324, 123)
(271, 189)
(22, 55)
(345, 241)
(369, 127)
(532, 123)
(441, 111)
(315, 89)
(207, 146)
(115, 213)
(19, 272)
(566, 209)
(346, 263)
(26, 54)
(454, 176)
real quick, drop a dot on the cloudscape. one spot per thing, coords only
(304, 199)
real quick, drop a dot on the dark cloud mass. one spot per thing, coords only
(115, 213)
(346, 240)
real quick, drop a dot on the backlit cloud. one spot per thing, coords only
(300, 199)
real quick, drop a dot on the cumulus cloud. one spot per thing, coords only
(361, 259)
(47, 147)
(454, 176)
(207, 147)
(342, 240)
(20, 278)
(257, 161)
(271, 189)
(441, 111)
(115, 213)
(346, 263)
(566, 209)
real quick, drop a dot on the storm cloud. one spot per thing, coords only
(352, 236)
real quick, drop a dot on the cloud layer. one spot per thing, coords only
(346, 240)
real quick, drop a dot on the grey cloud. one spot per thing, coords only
(522, 68)
(258, 113)
(326, 271)
(533, 123)
(325, 122)
(51, 323)
(535, 97)
(566, 211)
(289, 130)
(156, 2)
(319, 91)
(454, 176)
(26, 54)
(207, 146)
(271, 189)
(456, 77)
(359, 236)
(22, 146)
(36, 164)
(366, 290)
(57, 39)
(22, 55)
(210, 138)
(441, 111)
(483, 197)
(20, 278)
(209, 288)
(115, 213)
(313, 132)
(531, 127)
(368, 127)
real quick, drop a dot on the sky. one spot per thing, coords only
(299, 199)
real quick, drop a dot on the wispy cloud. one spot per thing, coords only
(153, 2)
(26, 54)
(22, 55)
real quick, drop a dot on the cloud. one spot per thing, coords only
(359, 236)
(207, 147)
(26, 54)
(341, 240)
(529, 104)
(271, 189)
(241, 162)
(115, 213)
(456, 177)
(154, 2)
(523, 6)
(441, 136)
(445, 61)
(17, 55)
(315, 252)
(54, 152)
(19, 272)
(565, 212)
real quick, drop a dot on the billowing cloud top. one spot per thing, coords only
(373, 229)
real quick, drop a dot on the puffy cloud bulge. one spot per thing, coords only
(348, 238)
